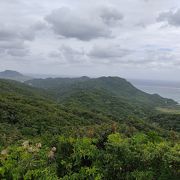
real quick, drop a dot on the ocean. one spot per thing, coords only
(165, 89)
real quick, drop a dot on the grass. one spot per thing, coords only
(169, 110)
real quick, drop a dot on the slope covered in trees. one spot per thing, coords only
(29, 111)
(64, 87)
(112, 96)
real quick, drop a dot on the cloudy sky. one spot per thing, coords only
(128, 38)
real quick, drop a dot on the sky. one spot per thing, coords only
(137, 39)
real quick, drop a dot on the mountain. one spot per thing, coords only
(111, 96)
(13, 75)
(63, 88)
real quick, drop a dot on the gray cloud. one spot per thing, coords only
(12, 42)
(69, 23)
(13, 48)
(13, 32)
(67, 54)
(7, 34)
(18, 52)
(98, 54)
(108, 52)
(147, 56)
(110, 15)
(29, 33)
(13, 38)
(172, 17)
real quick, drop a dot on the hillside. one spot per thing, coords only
(89, 133)
(14, 75)
(29, 111)
(112, 96)
(65, 87)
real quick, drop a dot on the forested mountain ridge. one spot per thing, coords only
(64, 87)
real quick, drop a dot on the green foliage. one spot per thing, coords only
(138, 157)
(28, 112)
(26, 163)
(167, 121)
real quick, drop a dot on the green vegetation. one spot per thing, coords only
(169, 110)
(24, 111)
(117, 87)
(113, 157)
(86, 128)
(167, 121)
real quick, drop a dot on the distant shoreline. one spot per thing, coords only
(164, 91)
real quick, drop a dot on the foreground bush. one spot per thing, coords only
(113, 157)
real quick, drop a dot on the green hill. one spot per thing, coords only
(62, 88)
(28, 111)
(113, 95)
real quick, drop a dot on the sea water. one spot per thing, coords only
(165, 89)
